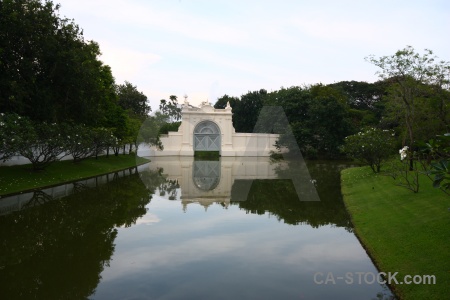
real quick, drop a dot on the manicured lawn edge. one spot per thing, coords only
(402, 231)
(21, 179)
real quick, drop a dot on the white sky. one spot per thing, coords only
(206, 49)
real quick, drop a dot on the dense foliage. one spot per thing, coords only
(48, 72)
(170, 108)
(412, 98)
(371, 146)
(318, 116)
(56, 96)
(418, 95)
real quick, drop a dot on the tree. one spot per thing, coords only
(116, 121)
(437, 152)
(360, 94)
(133, 127)
(174, 126)
(43, 145)
(129, 98)
(365, 101)
(79, 142)
(135, 104)
(48, 72)
(418, 81)
(102, 139)
(246, 111)
(170, 108)
(25, 38)
(150, 130)
(318, 118)
(327, 120)
(371, 146)
(14, 130)
(222, 102)
(294, 134)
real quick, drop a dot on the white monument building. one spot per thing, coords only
(205, 128)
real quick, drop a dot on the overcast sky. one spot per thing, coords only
(206, 49)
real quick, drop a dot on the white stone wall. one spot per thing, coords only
(232, 144)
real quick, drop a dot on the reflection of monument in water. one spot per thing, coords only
(207, 182)
(206, 174)
(229, 178)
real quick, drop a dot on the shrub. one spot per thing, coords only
(14, 130)
(371, 146)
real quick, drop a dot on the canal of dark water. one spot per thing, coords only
(179, 228)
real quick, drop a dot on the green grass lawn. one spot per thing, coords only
(16, 179)
(403, 232)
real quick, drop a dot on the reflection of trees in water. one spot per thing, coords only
(165, 186)
(58, 250)
(279, 198)
(38, 198)
(79, 187)
(169, 187)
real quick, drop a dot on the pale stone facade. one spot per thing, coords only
(206, 128)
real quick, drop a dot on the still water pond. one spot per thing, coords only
(237, 228)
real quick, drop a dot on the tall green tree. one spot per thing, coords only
(328, 120)
(365, 100)
(27, 36)
(360, 94)
(135, 104)
(318, 117)
(246, 111)
(48, 72)
(171, 108)
(418, 96)
(222, 101)
(294, 100)
(129, 98)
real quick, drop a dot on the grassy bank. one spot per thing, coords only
(403, 232)
(14, 179)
